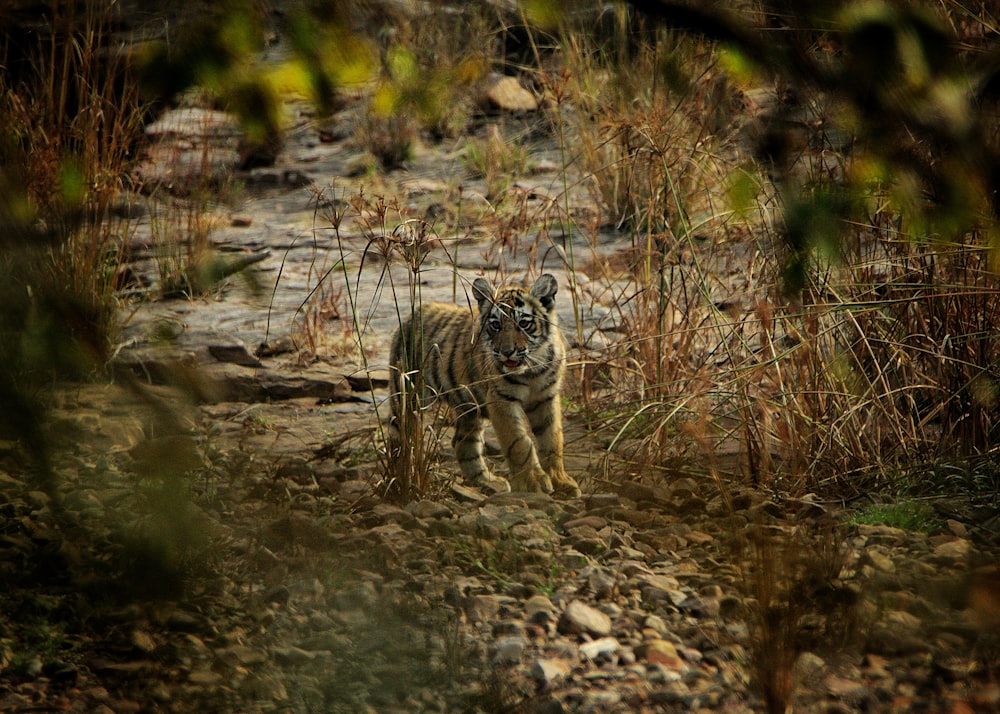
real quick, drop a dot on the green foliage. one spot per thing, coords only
(812, 233)
(910, 515)
(506, 556)
(219, 52)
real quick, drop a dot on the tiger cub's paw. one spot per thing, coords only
(565, 485)
(492, 484)
(531, 482)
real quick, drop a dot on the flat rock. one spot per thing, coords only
(539, 609)
(658, 588)
(142, 641)
(205, 677)
(508, 650)
(482, 608)
(844, 688)
(601, 582)
(294, 655)
(429, 509)
(954, 552)
(578, 617)
(467, 493)
(507, 94)
(602, 647)
(264, 386)
(661, 652)
(194, 122)
(550, 670)
(595, 523)
(880, 561)
(235, 354)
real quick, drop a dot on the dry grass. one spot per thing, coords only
(496, 160)
(425, 80)
(644, 120)
(71, 114)
(879, 365)
(409, 461)
(882, 368)
(795, 602)
(323, 328)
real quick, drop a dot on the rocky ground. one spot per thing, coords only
(303, 590)
(229, 547)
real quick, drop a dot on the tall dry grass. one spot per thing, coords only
(878, 364)
(69, 115)
(409, 461)
(72, 114)
(796, 326)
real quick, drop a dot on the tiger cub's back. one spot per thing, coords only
(437, 340)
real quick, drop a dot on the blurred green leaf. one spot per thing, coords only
(386, 99)
(72, 183)
(743, 190)
(402, 64)
(258, 107)
(545, 13)
(738, 65)
(813, 225)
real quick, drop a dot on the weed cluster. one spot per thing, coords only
(391, 238)
(497, 161)
(795, 602)
(71, 114)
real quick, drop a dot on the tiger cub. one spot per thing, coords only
(504, 362)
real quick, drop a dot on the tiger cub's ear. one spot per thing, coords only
(483, 292)
(545, 289)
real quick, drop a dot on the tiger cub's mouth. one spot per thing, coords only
(511, 363)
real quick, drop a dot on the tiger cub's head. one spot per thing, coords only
(518, 323)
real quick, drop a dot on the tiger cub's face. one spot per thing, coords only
(517, 323)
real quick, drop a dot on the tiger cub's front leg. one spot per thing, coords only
(468, 444)
(545, 418)
(513, 430)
